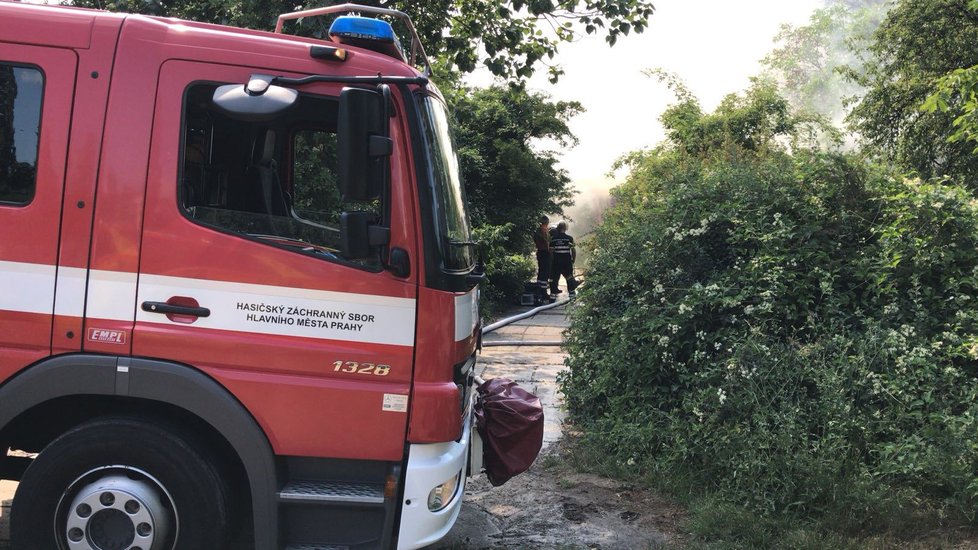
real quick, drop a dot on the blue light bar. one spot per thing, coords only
(365, 32)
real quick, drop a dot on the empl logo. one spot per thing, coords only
(107, 336)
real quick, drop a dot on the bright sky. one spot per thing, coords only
(715, 46)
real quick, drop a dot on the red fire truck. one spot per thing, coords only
(238, 293)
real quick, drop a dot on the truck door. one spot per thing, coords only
(241, 274)
(36, 89)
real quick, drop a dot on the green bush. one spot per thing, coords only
(505, 272)
(789, 331)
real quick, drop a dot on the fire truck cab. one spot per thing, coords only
(238, 293)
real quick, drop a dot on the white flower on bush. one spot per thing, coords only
(663, 340)
(674, 328)
(973, 351)
(683, 308)
(721, 395)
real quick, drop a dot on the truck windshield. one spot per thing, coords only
(451, 219)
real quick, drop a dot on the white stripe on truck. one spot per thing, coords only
(241, 307)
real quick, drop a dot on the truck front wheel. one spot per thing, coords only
(119, 483)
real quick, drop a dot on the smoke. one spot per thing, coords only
(810, 62)
(591, 202)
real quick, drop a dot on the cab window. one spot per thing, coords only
(271, 181)
(21, 90)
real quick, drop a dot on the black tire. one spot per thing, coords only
(164, 460)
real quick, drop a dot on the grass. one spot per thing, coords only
(550, 461)
(565, 483)
(713, 524)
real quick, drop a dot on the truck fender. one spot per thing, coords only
(171, 383)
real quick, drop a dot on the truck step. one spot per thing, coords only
(315, 547)
(331, 492)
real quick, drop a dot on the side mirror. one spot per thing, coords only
(363, 145)
(257, 101)
(359, 234)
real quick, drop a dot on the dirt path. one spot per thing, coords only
(551, 506)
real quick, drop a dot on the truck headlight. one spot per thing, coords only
(440, 496)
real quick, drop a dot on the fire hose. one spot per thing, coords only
(519, 317)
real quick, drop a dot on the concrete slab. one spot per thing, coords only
(508, 331)
(547, 321)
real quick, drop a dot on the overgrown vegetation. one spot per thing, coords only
(917, 44)
(787, 332)
(506, 271)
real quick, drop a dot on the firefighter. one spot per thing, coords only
(541, 239)
(564, 255)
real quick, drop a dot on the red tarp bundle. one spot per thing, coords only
(510, 421)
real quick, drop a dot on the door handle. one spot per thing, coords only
(171, 309)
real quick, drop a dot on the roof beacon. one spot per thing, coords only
(368, 33)
(365, 32)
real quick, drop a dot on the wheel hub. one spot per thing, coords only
(117, 512)
(110, 529)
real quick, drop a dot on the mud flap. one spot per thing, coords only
(476, 453)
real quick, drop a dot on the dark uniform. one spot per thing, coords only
(564, 255)
(541, 239)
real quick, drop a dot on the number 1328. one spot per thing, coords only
(353, 367)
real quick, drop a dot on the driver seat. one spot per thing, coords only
(261, 179)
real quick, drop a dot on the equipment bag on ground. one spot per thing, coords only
(510, 422)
